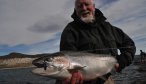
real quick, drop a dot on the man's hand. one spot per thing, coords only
(122, 61)
(75, 79)
(117, 67)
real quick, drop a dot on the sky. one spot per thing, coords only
(35, 26)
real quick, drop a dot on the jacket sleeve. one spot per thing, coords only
(126, 46)
(68, 39)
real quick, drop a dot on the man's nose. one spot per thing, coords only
(84, 7)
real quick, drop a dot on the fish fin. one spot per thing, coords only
(79, 67)
(76, 67)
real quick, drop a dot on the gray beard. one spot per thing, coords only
(89, 19)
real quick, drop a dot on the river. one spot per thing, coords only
(133, 74)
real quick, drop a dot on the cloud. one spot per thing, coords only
(130, 16)
(30, 23)
(103, 3)
(17, 16)
(52, 24)
(48, 46)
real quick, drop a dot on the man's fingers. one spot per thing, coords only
(76, 78)
(117, 67)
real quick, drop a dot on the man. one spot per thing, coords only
(90, 32)
(142, 56)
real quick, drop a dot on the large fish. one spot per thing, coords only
(58, 65)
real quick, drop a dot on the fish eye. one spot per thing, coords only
(50, 59)
(47, 63)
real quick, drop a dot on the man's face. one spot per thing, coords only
(85, 10)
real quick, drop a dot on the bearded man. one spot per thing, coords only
(92, 33)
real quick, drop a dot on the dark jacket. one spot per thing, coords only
(99, 37)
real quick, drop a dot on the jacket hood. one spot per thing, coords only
(98, 16)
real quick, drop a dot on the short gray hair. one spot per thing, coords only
(91, 1)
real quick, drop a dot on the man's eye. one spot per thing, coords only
(87, 4)
(81, 5)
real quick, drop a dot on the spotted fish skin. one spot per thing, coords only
(58, 65)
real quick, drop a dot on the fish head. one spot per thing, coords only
(51, 64)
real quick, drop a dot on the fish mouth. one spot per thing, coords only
(42, 63)
(48, 72)
(38, 65)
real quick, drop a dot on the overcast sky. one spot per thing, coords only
(35, 26)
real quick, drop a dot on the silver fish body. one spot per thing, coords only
(58, 65)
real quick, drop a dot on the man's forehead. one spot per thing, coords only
(81, 1)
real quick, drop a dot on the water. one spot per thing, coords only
(22, 76)
(128, 76)
(134, 74)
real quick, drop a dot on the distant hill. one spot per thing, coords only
(20, 55)
(15, 60)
